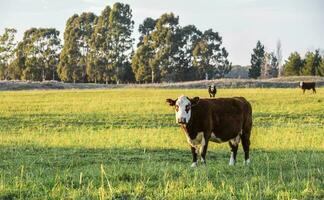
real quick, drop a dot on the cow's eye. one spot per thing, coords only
(177, 108)
(187, 108)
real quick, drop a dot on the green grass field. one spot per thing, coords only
(124, 144)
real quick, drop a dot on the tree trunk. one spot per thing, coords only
(53, 74)
(43, 75)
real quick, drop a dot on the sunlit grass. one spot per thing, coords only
(124, 144)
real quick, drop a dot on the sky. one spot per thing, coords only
(298, 24)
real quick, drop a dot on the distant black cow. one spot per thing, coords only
(307, 86)
(212, 90)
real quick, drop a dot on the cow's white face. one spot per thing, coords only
(301, 84)
(183, 108)
(212, 88)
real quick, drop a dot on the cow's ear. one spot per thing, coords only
(194, 101)
(171, 102)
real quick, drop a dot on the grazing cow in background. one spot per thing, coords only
(307, 86)
(212, 90)
(217, 120)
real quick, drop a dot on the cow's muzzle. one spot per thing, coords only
(182, 121)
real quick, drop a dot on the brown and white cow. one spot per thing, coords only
(307, 86)
(217, 120)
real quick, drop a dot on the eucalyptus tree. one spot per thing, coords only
(210, 57)
(36, 56)
(86, 24)
(68, 69)
(146, 29)
(73, 58)
(7, 48)
(18, 64)
(47, 45)
(100, 45)
(141, 59)
(188, 37)
(169, 52)
(140, 64)
(163, 41)
(31, 68)
(120, 30)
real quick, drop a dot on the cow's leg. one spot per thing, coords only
(194, 157)
(314, 91)
(234, 147)
(303, 91)
(246, 147)
(203, 149)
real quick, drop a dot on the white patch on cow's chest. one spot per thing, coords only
(199, 140)
(213, 138)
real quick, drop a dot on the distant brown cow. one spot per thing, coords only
(217, 120)
(307, 86)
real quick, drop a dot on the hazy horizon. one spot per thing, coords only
(297, 23)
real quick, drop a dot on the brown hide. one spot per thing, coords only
(225, 117)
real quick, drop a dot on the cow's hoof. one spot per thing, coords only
(194, 164)
(247, 162)
(231, 162)
(203, 162)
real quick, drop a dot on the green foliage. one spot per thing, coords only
(184, 68)
(100, 49)
(312, 65)
(169, 52)
(163, 41)
(100, 44)
(141, 66)
(37, 55)
(145, 29)
(209, 57)
(125, 144)
(257, 58)
(73, 58)
(121, 26)
(293, 65)
(7, 48)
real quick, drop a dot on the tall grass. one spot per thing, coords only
(124, 144)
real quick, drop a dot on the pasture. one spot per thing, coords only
(124, 144)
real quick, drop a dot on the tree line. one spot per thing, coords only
(266, 65)
(100, 49)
